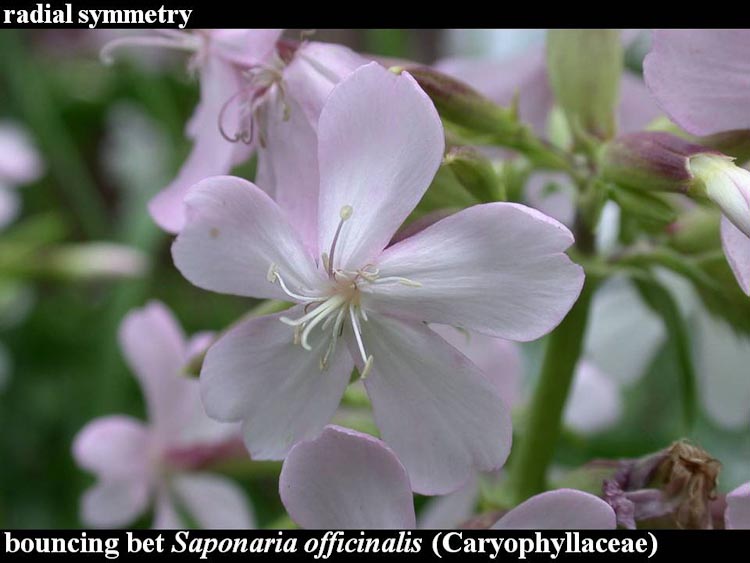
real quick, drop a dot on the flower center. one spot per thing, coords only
(249, 99)
(330, 307)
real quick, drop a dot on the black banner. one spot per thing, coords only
(330, 545)
(90, 14)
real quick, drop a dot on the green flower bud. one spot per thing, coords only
(584, 68)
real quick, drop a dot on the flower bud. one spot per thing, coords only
(658, 161)
(584, 68)
(460, 104)
(724, 183)
(650, 161)
(476, 174)
(94, 261)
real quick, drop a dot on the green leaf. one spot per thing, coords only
(660, 300)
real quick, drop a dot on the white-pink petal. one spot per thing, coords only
(213, 502)
(212, 154)
(562, 509)
(737, 514)
(315, 69)
(234, 234)
(114, 448)
(444, 419)
(700, 77)
(736, 245)
(380, 144)
(255, 373)
(343, 480)
(451, 510)
(154, 346)
(111, 504)
(498, 268)
(288, 163)
(499, 359)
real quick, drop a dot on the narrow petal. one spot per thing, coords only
(344, 479)
(234, 234)
(214, 502)
(451, 510)
(165, 514)
(288, 164)
(114, 447)
(315, 69)
(736, 246)
(156, 350)
(256, 373)
(111, 504)
(595, 401)
(212, 154)
(562, 509)
(737, 515)
(499, 359)
(699, 77)
(380, 144)
(443, 418)
(498, 269)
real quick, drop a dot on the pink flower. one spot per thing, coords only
(497, 268)
(19, 164)
(344, 480)
(256, 94)
(136, 463)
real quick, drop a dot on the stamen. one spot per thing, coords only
(345, 214)
(245, 134)
(274, 276)
(334, 337)
(304, 318)
(358, 335)
(323, 311)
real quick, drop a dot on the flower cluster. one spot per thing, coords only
(405, 232)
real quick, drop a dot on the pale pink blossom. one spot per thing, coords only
(257, 94)
(347, 480)
(158, 463)
(498, 269)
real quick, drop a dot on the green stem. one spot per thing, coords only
(528, 469)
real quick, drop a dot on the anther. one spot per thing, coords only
(273, 272)
(368, 367)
